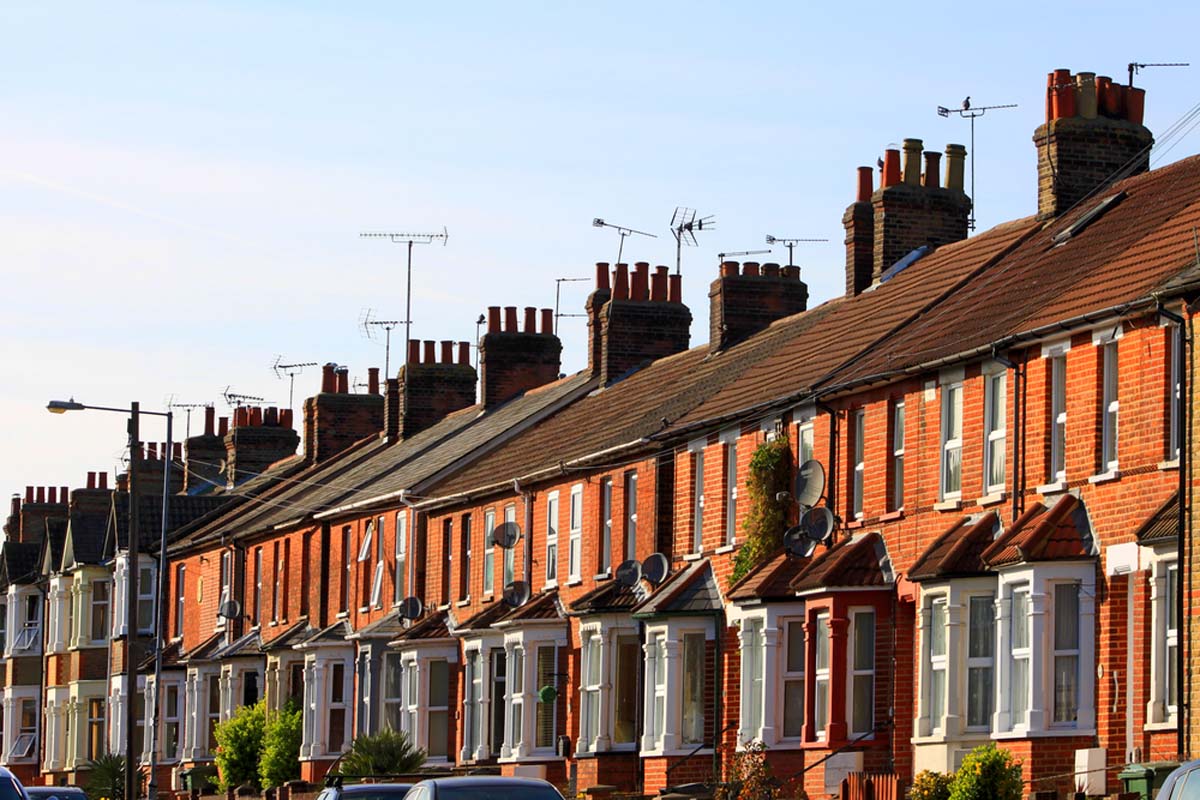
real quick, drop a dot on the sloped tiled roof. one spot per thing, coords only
(334, 634)
(482, 621)
(770, 580)
(52, 545)
(172, 658)
(387, 627)
(608, 597)
(690, 591)
(205, 650)
(85, 538)
(1062, 531)
(1163, 524)
(182, 510)
(297, 633)
(543, 607)
(858, 562)
(957, 552)
(433, 626)
(20, 562)
(1137, 248)
(249, 645)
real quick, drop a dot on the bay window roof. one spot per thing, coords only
(609, 597)
(205, 650)
(293, 635)
(248, 646)
(957, 553)
(770, 580)
(860, 561)
(544, 607)
(432, 627)
(387, 627)
(1061, 532)
(690, 591)
(1163, 524)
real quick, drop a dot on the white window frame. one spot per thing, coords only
(1057, 368)
(662, 701)
(1062, 651)
(899, 422)
(937, 632)
(604, 556)
(729, 441)
(984, 662)
(753, 665)
(225, 576)
(858, 430)
(995, 426)
(854, 671)
(1110, 408)
(951, 445)
(697, 544)
(466, 537)
(510, 553)
(821, 700)
(552, 539)
(805, 441)
(575, 535)
(377, 581)
(631, 516)
(1174, 390)
(600, 640)
(489, 552)
(1162, 569)
(400, 582)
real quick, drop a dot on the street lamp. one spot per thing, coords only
(134, 411)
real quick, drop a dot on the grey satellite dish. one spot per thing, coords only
(817, 523)
(507, 534)
(795, 541)
(516, 594)
(230, 609)
(411, 608)
(810, 483)
(630, 572)
(655, 568)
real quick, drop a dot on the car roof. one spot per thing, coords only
(484, 780)
(368, 788)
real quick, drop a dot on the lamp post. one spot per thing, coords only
(134, 411)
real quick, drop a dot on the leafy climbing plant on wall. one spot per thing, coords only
(766, 518)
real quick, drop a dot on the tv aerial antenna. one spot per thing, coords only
(369, 325)
(410, 239)
(188, 411)
(623, 231)
(721, 256)
(237, 400)
(790, 244)
(291, 370)
(558, 282)
(684, 226)
(968, 111)
(1135, 68)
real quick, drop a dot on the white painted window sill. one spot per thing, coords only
(948, 505)
(729, 548)
(1105, 477)
(991, 499)
(549, 585)
(693, 556)
(1042, 734)
(602, 576)
(462, 603)
(892, 515)
(1157, 727)
(575, 582)
(1052, 488)
(1171, 464)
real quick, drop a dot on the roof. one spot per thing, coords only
(182, 509)
(1163, 524)
(544, 607)
(172, 658)
(860, 561)
(19, 561)
(293, 635)
(1136, 249)
(334, 634)
(690, 591)
(431, 627)
(249, 645)
(957, 552)
(1062, 531)
(205, 650)
(770, 580)
(84, 543)
(389, 626)
(52, 545)
(609, 597)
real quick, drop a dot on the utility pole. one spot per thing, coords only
(132, 770)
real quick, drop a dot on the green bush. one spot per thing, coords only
(239, 746)
(766, 517)
(928, 785)
(988, 773)
(106, 778)
(384, 753)
(280, 760)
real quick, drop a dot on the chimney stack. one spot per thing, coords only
(205, 457)
(1093, 134)
(635, 322)
(427, 391)
(512, 362)
(336, 419)
(859, 222)
(742, 305)
(251, 447)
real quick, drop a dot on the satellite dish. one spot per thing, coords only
(655, 568)
(797, 543)
(630, 572)
(411, 608)
(230, 609)
(507, 534)
(516, 594)
(810, 483)
(817, 523)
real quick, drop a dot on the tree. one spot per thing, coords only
(280, 760)
(106, 778)
(385, 753)
(240, 745)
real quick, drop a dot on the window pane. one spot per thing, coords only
(1066, 688)
(937, 629)
(439, 683)
(952, 470)
(822, 634)
(693, 688)
(979, 697)
(937, 697)
(1020, 690)
(821, 702)
(438, 731)
(625, 690)
(795, 646)
(982, 643)
(864, 703)
(545, 714)
(864, 641)
(1020, 620)
(793, 708)
(1066, 616)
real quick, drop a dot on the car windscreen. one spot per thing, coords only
(10, 790)
(498, 791)
(382, 793)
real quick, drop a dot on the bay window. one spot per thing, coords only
(516, 700)
(437, 741)
(473, 679)
(625, 685)
(693, 688)
(821, 675)
(981, 647)
(590, 689)
(677, 670)
(545, 716)
(938, 666)
(1066, 652)
(1020, 656)
(793, 680)
(752, 678)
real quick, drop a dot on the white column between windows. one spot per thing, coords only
(674, 705)
(1002, 715)
(1039, 668)
(771, 723)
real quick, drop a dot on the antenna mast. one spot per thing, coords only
(291, 370)
(410, 239)
(684, 226)
(1135, 68)
(967, 111)
(558, 282)
(721, 256)
(623, 231)
(189, 407)
(367, 324)
(790, 244)
(236, 400)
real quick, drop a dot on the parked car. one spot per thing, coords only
(10, 787)
(1183, 783)
(483, 787)
(55, 793)
(362, 791)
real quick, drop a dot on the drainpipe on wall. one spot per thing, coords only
(831, 472)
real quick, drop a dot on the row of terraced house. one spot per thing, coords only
(1005, 427)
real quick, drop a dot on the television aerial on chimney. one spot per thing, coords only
(558, 282)
(410, 239)
(369, 325)
(188, 410)
(968, 111)
(1135, 68)
(237, 400)
(684, 226)
(721, 256)
(623, 231)
(291, 370)
(790, 244)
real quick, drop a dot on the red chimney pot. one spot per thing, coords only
(640, 290)
(675, 295)
(891, 167)
(447, 356)
(373, 380)
(222, 426)
(547, 320)
(510, 319)
(210, 415)
(621, 283)
(464, 353)
(530, 319)
(602, 276)
(658, 284)
(430, 355)
(414, 351)
(52, 495)
(493, 319)
(28, 494)
(866, 184)
(328, 383)
(91, 480)
(41, 494)
(103, 480)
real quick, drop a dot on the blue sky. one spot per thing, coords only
(182, 184)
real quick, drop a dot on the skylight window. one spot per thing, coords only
(1097, 211)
